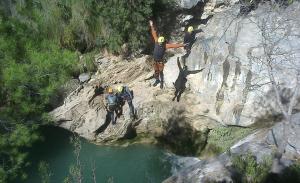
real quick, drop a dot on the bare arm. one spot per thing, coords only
(174, 45)
(153, 31)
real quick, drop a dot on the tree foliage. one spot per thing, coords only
(33, 68)
(38, 44)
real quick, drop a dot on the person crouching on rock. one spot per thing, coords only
(124, 94)
(111, 105)
(158, 55)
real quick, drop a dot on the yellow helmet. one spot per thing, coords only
(120, 89)
(161, 39)
(110, 90)
(190, 29)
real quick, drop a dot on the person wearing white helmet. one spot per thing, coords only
(158, 55)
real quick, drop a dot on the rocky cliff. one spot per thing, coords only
(233, 89)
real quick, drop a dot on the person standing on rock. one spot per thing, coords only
(158, 55)
(189, 39)
(111, 105)
(124, 94)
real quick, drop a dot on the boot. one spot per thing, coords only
(156, 82)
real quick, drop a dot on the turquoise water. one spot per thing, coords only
(133, 164)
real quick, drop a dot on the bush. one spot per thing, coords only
(32, 69)
(220, 139)
(251, 171)
(88, 63)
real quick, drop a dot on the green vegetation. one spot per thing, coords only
(290, 174)
(32, 70)
(220, 139)
(251, 171)
(85, 25)
(40, 42)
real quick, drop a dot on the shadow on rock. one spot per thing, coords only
(180, 83)
(104, 126)
(179, 136)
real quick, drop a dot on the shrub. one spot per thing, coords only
(220, 139)
(250, 170)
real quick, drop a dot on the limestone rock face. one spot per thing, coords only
(275, 136)
(83, 112)
(234, 86)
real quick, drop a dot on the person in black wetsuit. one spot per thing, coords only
(158, 55)
(189, 40)
(125, 94)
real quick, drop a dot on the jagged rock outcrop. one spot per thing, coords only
(235, 87)
(260, 144)
(84, 113)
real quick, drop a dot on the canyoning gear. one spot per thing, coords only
(111, 106)
(119, 89)
(109, 90)
(111, 115)
(158, 69)
(190, 37)
(188, 40)
(156, 82)
(125, 94)
(161, 85)
(161, 39)
(190, 29)
(158, 55)
(159, 52)
(112, 102)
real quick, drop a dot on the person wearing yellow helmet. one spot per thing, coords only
(124, 94)
(190, 29)
(158, 55)
(189, 39)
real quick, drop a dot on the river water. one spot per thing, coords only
(132, 164)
